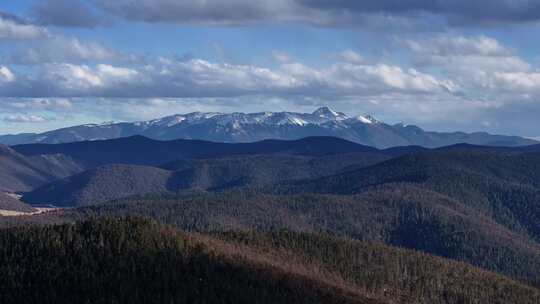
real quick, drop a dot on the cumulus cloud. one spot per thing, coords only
(32, 44)
(6, 75)
(524, 82)
(12, 27)
(201, 78)
(282, 57)
(351, 56)
(73, 79)
(447, 45)
(480, 64)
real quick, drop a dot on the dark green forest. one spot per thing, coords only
(140, 261)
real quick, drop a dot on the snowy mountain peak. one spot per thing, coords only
(326, 112)
(367, 119)
(320, 116)
(168, 121)
(249, 127)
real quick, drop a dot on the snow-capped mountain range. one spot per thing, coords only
(242, 127)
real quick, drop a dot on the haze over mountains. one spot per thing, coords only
(240, 127)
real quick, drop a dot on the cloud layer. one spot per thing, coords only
(201, 78)
(14, 28)
(90, 13)
(436, 70)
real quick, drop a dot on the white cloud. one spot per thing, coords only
(383, 78)
(24, 118)
(459, 53)
(31, 44)
(201, 78)
(41, 104)
(518, 81)
(282, 57)
(446, 45)
(480, 65)
(12, 28)
(6, 75)
(71, 79)
(60, 49)
(351, 56)
(106, 70)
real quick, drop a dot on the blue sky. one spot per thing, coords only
(460, 65)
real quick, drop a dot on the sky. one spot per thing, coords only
(467, 65)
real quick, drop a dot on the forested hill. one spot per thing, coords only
(105, 183)
(504, 187)
(140, 261)
(139, 150)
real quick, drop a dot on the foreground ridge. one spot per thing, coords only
(119, 258)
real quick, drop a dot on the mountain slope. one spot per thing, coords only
(22, 173)
(102, 184)
(370, 266)
(404, 216)
(504, 187)
(241, 127)
(116, 181)
(230, 268)
(10, 203)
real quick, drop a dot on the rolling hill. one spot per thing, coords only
(109, 182)
(505, 187)
(102, 184)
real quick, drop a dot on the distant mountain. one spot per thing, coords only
(23, 173)
(240, 127)
(139, 150)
